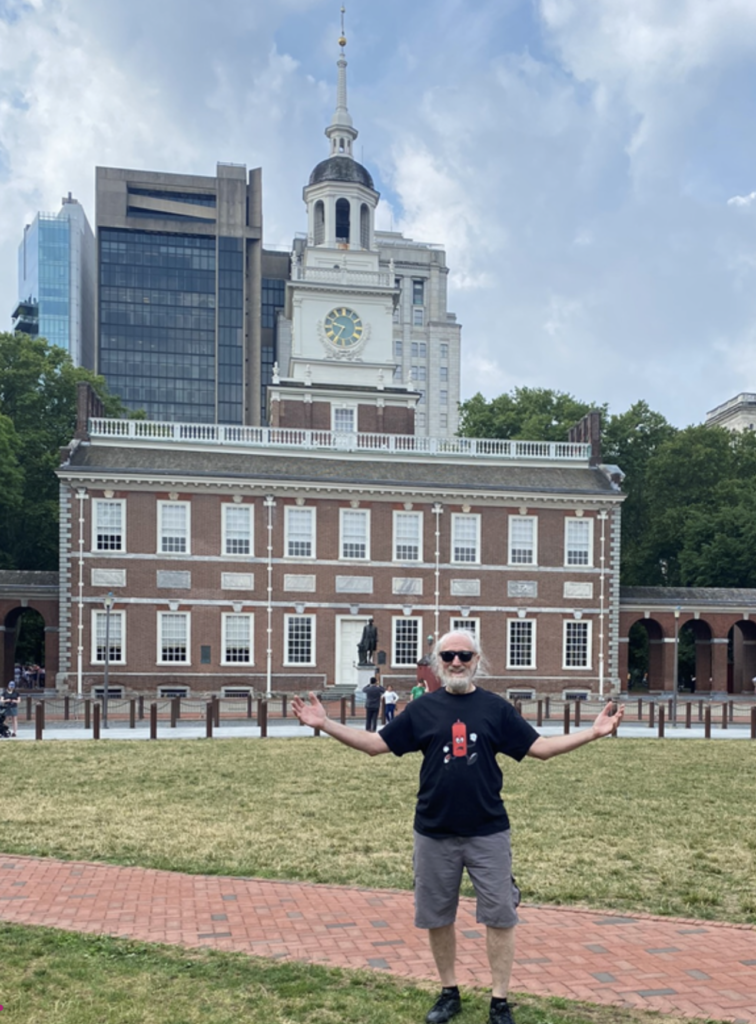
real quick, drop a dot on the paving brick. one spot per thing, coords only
(647, 962)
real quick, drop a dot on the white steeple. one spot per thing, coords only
(341, 130)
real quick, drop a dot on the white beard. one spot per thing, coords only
(453, 683)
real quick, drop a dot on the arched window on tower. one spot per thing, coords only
(342, 222)
(364, 226)
(341, 146)
(319, 226)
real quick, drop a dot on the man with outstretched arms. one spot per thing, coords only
(460, 819)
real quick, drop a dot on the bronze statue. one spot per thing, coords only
(368, 644)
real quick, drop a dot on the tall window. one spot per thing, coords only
(418, 293)
(109, 525)
(397, 348)
(406, 645)
(520, 643)
(443, 373)
(443, 350)
(173, 527)
(116, 640)
(355, 533)
(522, 540)
(173, 638)
(578, 541)
(300, 532)
(300, 639)
(364, 226)
(237, 639)
(319, 225)
(465, 538)
(237, 530)
(342, 221)
(577, 646)
(408, 536)
(418, 317)
(443, 397)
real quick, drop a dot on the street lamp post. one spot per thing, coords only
(107, 601)
(676, 672)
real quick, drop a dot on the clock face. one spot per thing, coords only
(343, 327)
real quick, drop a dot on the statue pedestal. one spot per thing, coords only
(364, 675)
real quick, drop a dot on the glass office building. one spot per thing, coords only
(181, 305)
(56, 281)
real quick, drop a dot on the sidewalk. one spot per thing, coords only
(287, 728)
(688, 968)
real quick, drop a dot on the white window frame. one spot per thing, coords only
(533, 624)
(352, 410)
(398, 517)
(518, 519)
(586, 522)
(98, 615)
(457, 518)
(578, 625)
(97, 504)
(162, 616)
(226, 618)
(465, 625)
(418, 316)
(226, 508)
(396, 629)
(312, 512)
(343, 514)
(288, 621)
(162, 506)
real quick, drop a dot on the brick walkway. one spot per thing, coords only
(687, 968)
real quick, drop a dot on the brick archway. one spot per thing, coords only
(723, 622)
(20, 592)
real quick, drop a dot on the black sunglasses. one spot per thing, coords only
(449, 656)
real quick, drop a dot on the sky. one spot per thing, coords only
(588, 165)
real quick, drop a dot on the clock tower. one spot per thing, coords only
(336, 364)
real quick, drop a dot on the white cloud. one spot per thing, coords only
(742, 200)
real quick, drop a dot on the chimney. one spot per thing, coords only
(588, 431)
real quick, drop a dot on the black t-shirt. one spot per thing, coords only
(460, 779)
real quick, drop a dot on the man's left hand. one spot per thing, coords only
(607, 722)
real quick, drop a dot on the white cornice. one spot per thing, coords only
(326, 489)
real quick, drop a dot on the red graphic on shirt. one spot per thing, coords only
(461, 749)
(459, 739)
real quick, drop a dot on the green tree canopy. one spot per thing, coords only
(37, 417)
(529, 414)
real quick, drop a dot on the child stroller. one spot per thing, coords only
(5, 732)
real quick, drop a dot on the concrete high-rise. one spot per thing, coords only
(56, 281)
(187, 299)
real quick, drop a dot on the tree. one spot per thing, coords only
(530, 414)
(631, 441)
(37, 417)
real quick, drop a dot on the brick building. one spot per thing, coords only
(253, 557)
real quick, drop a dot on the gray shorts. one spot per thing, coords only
(438, 867)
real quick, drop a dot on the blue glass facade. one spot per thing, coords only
(44, 276)
(157, 313)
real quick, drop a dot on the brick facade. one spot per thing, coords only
(543, 605)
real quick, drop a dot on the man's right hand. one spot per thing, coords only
(312, 714)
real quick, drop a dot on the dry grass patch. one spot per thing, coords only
(634, 824)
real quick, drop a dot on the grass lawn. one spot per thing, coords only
(630, 824)
(52, 977)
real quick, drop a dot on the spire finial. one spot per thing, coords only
(341, 131)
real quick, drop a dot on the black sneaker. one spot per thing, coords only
(501, 1014)
(447, 1005)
